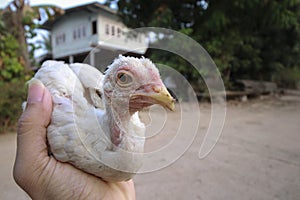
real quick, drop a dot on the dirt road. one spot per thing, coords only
(257, 157)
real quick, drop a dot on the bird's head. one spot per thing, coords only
(135, 83)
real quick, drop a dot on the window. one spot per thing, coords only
(112, 30)
(74, 34)
(79, 32)
(119, 31)
(94, 27)
(60, 38)
(107, 29)
(83, 29)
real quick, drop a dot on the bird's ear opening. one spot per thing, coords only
(94, 97)
(98, 92)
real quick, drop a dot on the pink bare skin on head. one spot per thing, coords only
(131, 85)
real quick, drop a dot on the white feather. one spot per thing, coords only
(79, 133)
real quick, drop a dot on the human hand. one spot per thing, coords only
(41, 175)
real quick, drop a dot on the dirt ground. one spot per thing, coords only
(257, 157)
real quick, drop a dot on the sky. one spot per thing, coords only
(60, 3)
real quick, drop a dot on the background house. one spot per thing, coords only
(93, 34)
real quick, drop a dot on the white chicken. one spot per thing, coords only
(95, 123)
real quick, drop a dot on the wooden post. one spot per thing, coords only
(71, 59)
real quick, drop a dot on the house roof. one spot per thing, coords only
(90, 7)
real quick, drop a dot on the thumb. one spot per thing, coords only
(31, 140)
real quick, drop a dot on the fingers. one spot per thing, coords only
(31, 140)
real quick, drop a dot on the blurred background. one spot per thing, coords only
(255, 45)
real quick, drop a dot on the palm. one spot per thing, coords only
(42, 176)
(81, 185)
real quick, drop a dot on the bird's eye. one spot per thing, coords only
(124, 79)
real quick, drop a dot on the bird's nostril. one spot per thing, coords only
(156, 89)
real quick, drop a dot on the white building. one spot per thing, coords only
(94, 34)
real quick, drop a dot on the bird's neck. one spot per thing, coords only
(119, 124)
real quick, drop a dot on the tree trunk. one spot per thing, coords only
(13, 20)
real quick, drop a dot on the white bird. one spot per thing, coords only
(95, 124)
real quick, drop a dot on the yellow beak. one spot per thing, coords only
(158, 95)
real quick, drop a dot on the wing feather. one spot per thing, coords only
(91, 79)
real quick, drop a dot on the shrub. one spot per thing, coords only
(12, 79)
(287, 77)
(11, 97)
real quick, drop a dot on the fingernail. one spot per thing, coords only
(35, 91)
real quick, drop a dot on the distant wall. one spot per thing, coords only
(73, 34)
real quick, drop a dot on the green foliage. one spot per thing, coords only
(11, 68)
(246, 39)
(31, 20)
(13, 55)
(287, 77)
(11, 98)
(30, 25)
(12, 79)
(22, 21)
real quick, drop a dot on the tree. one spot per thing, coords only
(21, 21)
(246, 39)
(17, 24)
(10, 66)
(12, 79)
